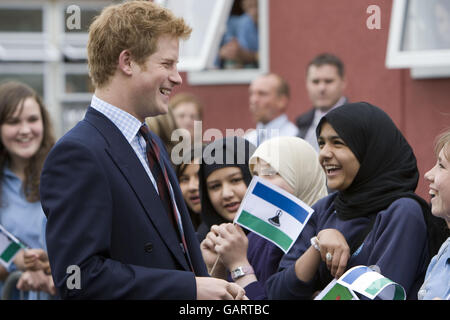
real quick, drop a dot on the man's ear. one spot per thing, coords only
(125, 62)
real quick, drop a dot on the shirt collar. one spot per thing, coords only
(339, 103)
(276, 123)
(8, 173)
(127, 124)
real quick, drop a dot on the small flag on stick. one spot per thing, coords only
(9, 247)
(273, 213)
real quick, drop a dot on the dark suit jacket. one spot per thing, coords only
(105, 216)
(304, 121)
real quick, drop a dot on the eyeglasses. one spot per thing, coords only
(267, 172)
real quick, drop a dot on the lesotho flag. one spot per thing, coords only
(273, 213)
(366, 281)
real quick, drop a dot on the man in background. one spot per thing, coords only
(325, 83)
(269, 98)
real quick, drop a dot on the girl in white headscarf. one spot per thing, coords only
(292, 164)
(296, 162)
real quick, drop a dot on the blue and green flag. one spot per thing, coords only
(273, 213)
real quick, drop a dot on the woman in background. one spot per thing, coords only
(26, 139)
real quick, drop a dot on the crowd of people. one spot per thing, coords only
(108, 198)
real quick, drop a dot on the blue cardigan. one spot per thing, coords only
(397, 244)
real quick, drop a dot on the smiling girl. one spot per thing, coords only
(437, 279)
(374, 218)
(223, 177)
(26, 139)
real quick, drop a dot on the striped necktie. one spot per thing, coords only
(159, 172)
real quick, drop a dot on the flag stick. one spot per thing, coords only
(214, 266)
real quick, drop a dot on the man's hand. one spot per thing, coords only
(218, 289)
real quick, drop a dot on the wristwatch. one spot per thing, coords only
(241, 271)
(314, 243)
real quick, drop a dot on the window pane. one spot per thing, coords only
(86, 18)
(427, 25)
(78, 83)
(21, 20)
(197, 14)
(36, 81)
(240, 44)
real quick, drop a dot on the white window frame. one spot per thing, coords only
(73, 68)
(38, 44)
(197, 74)
(74, 45)
(64, 97)
(19, 68)
(423, 63)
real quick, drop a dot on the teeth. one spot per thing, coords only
(165, 91)
(231, 204)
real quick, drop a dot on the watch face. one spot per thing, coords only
(241, 271)
(237, 273)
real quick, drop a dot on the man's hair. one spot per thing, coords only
(327, 58)
(134, 26)
(283, 86)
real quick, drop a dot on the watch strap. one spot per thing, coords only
(241, 271)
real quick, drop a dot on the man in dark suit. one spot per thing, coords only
(325, 83)
(116, 216)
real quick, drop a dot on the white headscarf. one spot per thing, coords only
(297, 163)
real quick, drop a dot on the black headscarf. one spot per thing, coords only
(388, 168)
(222, 153)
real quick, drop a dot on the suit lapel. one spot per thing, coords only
(129, 165)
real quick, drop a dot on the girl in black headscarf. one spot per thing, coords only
(374, 218)
(231, 154)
